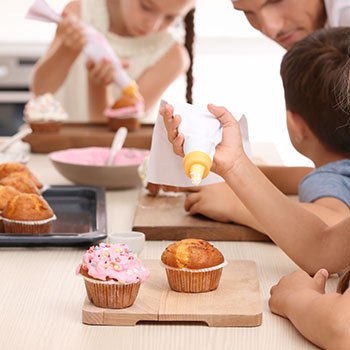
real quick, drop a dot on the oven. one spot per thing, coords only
(15, 74)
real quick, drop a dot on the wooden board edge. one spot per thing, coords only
(210, 234)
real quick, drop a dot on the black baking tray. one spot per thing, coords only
(81, 219)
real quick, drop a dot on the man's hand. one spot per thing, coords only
(172, 123)
(230, 150)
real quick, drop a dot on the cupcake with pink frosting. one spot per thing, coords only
(44, 113)
(112, 275)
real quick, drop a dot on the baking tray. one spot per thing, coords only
(81, 218)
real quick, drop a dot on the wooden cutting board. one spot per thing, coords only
(164, 218)
(236, 302)
(77, 135)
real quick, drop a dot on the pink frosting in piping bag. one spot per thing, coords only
(114, 261)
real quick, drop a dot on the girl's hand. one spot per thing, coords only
(294, 285)
(230, 150)
(171, 124)
(101, 73)
(71, 32)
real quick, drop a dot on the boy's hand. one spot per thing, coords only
(294, 285)
(101, 73)
(230, 149)
(216, 201)
(71, 32)
(171, 124)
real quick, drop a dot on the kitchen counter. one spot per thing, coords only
(41, 297)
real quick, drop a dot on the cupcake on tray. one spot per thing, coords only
(20, 183)
(127, 110)
(6, 194)
(18, 168)
(44, 113)
(112, 275)
(193, 266)
(29, 214)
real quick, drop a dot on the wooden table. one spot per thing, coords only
(41, 297)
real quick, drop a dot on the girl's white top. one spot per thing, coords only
(142, 52)
(338, 13)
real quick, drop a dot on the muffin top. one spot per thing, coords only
(114, 263)
(20, 183)
(192, 254)
(8, 168)
(11, 168)
(27, 207)
(44, 108)
(6, 193)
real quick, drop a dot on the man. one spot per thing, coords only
(285, 22)
(288, 21)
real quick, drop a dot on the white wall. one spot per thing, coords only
(234, 65)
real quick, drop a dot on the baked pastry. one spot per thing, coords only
(27, 213)
(193, 266)
(20, 182)
(127, 110)
(44, 113)
(112, 275)
(6, 193)
(9, 168)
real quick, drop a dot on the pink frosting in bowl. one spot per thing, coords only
(97, 156)
(113, 263)
(86, 166)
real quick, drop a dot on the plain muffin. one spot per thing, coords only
(27, 213)
(193, 266)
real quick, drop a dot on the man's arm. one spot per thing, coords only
(301, 234)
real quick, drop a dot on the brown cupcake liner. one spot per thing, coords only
(194, 281)
(28, 227)
(45, 126)
(131, 123)
(111, 296)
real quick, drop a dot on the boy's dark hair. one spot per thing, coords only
(316, 80)
(189, 39)
(343, 284)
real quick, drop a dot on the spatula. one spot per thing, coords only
(117, 144)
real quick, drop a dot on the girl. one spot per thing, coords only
(139, 32)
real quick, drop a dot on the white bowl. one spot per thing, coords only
(110, 177)
(134, 239)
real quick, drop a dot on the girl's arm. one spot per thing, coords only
(156, 79)
(52, 69)
(324, 319)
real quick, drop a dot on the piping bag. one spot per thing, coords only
(203, 132)
(97, 47)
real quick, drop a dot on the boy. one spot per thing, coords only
(316, 79)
